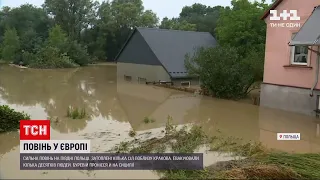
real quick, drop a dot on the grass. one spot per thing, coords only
(132, 133)
(306, 165)
(76, 113)
(3, 62)
(148, 120)
(260, 162)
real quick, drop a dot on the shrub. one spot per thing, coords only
(76, 113)
(78, 53)
(221, 71)
(27, 57)
(50, 57)
(10, 119)
(255, 59)
(57, 38)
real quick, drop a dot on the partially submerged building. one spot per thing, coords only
(141, 101)
(153, 55)
(291, 68)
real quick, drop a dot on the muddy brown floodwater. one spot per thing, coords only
(115, 107)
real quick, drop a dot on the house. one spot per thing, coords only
(291, 61)
(153, 55)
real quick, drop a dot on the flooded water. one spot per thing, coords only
(115, 107)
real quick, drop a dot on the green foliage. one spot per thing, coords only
(87, 30)
(57, 38)
(177, 24)
(148, 120)
(50, 57)
(241, 27)
(27, 57)
(307, 165)
(26, 18)
(59, 52)
(115, 23)
(78, 53)
(10, 119)
(132, 133)
(71, 15)
(11, 45)
(222, 72)
(197, 17)
(76, 113)
(255, 60)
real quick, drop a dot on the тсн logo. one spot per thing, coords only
(35, 130)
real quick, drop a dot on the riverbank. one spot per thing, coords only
(256, 162)
(18, 66)
(103, 64)
(252, 98)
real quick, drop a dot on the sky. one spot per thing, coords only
(163, 8)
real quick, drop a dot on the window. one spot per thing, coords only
(185, 83)
(299, 54)
(142, 80)
(127, 78)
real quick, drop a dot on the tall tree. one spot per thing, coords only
(124, 16)
(57, 38)
(177, 24)
(197, 17)
(240, 26)
(72, 15)
(31, 23)
(11, 45)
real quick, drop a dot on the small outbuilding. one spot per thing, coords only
(158, 55)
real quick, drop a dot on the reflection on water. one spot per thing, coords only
(115, 107)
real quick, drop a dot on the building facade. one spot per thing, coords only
(153, 55)
(290, 78)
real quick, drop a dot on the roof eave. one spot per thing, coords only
(274, 6)
(125, 44)
(183, 77)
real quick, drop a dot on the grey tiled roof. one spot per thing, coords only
(309, 33)
(171, 46)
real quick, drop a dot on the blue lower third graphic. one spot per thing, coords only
(108, 161)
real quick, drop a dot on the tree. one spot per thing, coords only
(197, 17)
(221, 72)
(117, 21)
(241, 26)
(11, 45)
(177, 24)
(72, 15)
(31, 23)
(57, 38)
(148, 19)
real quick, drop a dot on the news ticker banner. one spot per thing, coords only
(108, 161)
(39, 152)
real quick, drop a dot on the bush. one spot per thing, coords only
(78, 53)
(27, 57)
(255, 59)
(50, 57)
(10, 119)
(221, 71)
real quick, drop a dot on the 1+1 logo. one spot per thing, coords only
(292, 15)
